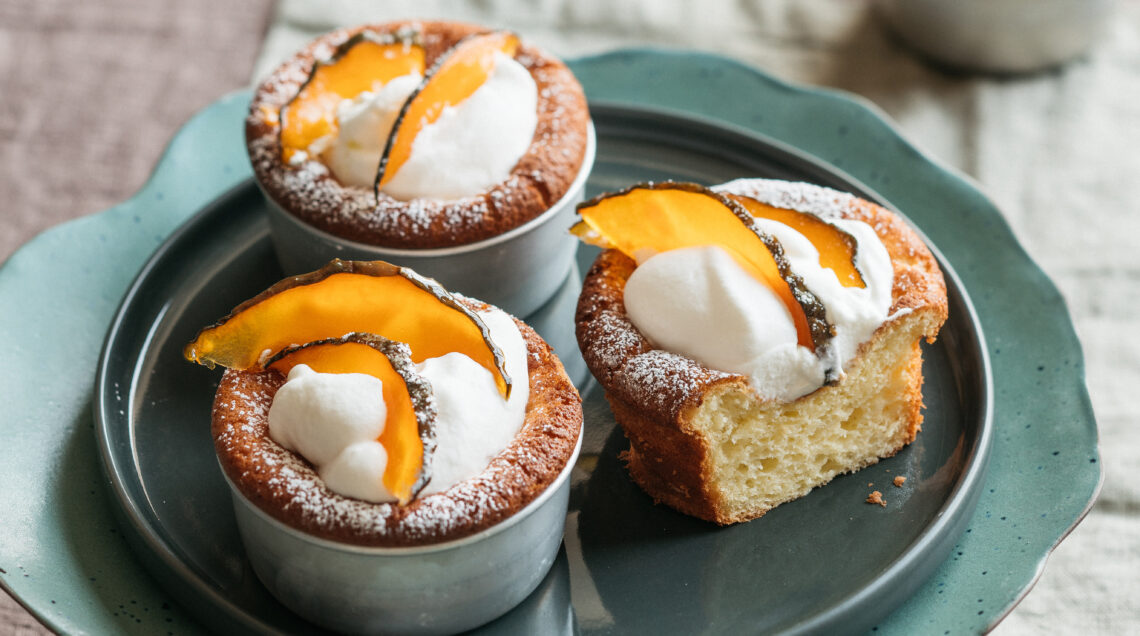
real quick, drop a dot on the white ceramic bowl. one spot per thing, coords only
(437, 589)
(1002, 36)
(516, 271)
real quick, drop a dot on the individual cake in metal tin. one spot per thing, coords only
(398, 456)
(316, 138)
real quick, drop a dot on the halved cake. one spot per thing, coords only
(831, 384)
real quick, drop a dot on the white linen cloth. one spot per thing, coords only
(1056, 150)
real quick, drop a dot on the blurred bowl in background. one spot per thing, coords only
(1001, 36)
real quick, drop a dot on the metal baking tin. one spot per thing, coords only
(435, 589)
(516, 271)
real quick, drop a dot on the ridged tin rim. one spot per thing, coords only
(575, 188)
(411, 551)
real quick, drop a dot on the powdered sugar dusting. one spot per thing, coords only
(795, 195)
(617, 339)
(661, 368)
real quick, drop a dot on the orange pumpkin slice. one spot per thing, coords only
(343, 297)
(358, 65)
(409, 433)
(667, 216)
(454, 78)
(836, 247)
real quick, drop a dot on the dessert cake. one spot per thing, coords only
(351, 315)
(331, 131)
(840, 391)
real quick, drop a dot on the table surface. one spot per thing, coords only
(106, 85)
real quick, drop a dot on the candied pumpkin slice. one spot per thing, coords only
(657, 217)
(836, 247)
(455, 77)
(409, 432)
(357, 65)
(347, 296)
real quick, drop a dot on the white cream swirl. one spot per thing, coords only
(334, 419)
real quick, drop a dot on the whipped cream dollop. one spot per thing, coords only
(363, 125)
(469, 148)
(473, 422)
(334, 419)
(700, 303)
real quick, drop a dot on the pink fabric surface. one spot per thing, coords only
(90, 94)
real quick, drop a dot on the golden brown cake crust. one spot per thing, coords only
(287, 488)
(310, 192)
(653, 392)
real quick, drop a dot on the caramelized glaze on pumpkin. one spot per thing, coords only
(359, 65)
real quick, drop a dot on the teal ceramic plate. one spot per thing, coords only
(160, 459)
(65, 559)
